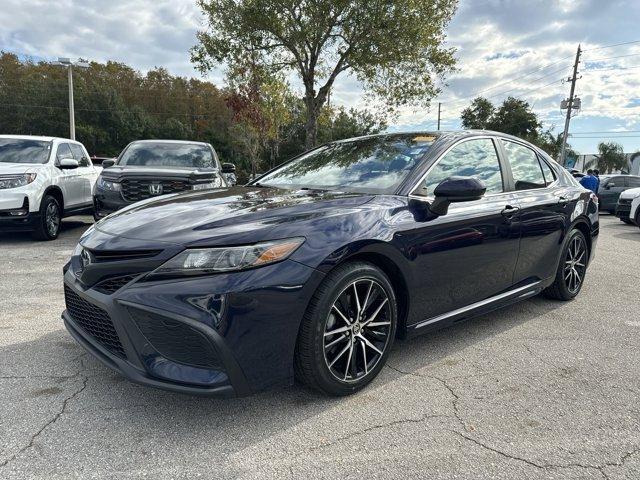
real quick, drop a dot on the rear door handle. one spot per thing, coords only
(509, 211)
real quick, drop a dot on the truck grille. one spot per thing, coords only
(94, 321)
(135, 190)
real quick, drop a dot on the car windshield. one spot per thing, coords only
(146, 154)
(20, 150)
(373, 164)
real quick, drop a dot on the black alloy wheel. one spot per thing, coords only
(572, 268)
(348, 330)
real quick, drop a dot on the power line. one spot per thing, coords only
(611, 58)
(612, 45)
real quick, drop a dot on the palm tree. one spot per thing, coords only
(611, 157)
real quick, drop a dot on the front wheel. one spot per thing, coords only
(48, 226)
(627, 221)
(347, 331)
(572, 268)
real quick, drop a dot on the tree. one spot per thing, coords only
(394, 48)
(611, 157)
(478, 115)
(515, 117)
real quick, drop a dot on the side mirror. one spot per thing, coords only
(456, 189)
(68, 164)
(109, 162)
(228, 168)
(609, 185)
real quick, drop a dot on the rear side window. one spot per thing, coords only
(525, 167)
(63, 151)
(549, 176)
(79, 155)
(633, 182)
(472, 158)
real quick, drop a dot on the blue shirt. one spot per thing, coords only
(590, 182)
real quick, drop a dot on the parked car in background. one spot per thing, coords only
(625, 210)
(318, 265)
(151, 168)
(42, 180)
(611, 186)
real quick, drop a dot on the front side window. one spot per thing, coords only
(79, 155)
(63, 152)
(472, 158)
(17, 150)
(373, 164)
(525, 167)
(166, 154)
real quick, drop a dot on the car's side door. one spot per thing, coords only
(469, 254)
(68, 178)
(545, 207)
(609, 193)
(87, 174)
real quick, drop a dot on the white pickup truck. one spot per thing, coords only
(42, 180)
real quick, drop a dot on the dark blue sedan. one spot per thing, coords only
(314, 269)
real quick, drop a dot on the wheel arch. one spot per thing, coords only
(388, 259)
(55, 192)
(583, 224)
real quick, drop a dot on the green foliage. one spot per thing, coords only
(394, 48)
(516, 118)
(611, 157)
(115, 105)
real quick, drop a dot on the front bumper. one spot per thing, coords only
(623, 211)
(106, 202)
(19, 218)
(246, 324)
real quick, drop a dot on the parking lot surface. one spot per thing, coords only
(541, 389)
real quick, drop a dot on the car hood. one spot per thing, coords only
(229, 215)
(116, 172)
(630, 193)
(18, 168)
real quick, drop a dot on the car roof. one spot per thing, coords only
(442, 134)
(190, 142)
(39, 138)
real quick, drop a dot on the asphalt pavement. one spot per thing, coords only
(539, 390)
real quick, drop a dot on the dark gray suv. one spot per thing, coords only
(611, 186)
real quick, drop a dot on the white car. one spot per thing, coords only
(42, 180)
(628, 207)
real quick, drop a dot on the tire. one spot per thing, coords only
(627, 221)
(566, 284)
(318, 361)
(48, 227)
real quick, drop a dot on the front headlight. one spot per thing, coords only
(203, 186)
(109, 185)
(15, 181)
(198, 261)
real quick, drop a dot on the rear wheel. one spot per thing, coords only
(48, 226)
(572, 268)
(347, 331)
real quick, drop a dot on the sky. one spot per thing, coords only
(523, 48)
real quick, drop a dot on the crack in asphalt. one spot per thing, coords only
(456, 397)
(53, 420)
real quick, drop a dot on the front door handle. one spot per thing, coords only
(509, 211)
(563, 201)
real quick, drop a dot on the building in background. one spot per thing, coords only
(584, 162)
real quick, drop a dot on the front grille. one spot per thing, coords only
(116, 255)
(624, 201)
(176, 341)
(113, 284)
(135, 190)
(94, 321)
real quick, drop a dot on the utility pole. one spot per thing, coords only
(569, 106)
(439, 105)
(68, 64)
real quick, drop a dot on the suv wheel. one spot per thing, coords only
(572, 268)
(48, 226)
(347, 331)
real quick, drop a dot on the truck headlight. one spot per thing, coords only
(109, 185)
(15, 181)
(198, 261)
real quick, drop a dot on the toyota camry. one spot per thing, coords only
(313, 270)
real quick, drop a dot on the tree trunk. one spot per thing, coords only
(311, 125)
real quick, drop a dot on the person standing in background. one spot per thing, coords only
(590, 182)
(596, 173)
